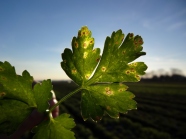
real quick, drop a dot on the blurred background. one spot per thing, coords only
(33, 34)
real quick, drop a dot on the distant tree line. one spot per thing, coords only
(175, 75)
(166, 78)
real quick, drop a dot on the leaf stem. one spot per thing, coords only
(92, 80)
(65, 98)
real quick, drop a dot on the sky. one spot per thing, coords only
(34, 33)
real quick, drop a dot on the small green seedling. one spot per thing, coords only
(100, 78)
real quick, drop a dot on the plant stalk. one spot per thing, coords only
(64, 98)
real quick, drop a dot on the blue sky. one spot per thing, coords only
(34, 33)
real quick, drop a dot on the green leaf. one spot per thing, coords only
(89, 105)
(115, 63)
(15, 86)
(58, 128)
(42, 94)
(17, 98)
(101, 78)
(110, 98)
(80, 63)
(12, 113)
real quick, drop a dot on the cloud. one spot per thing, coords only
(147, 24)
(166, 63)
(177, 25)
(39, 69)
(59, 48)
(171, 21)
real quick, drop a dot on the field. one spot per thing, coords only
(161, 113)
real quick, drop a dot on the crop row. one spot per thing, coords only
(159, 116)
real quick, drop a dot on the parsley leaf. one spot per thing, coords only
(42, 95)
(57, 128)
(18, 99)
(80, 63)
(101, 77)
(110, 98)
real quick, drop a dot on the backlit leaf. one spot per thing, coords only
(80, 63)
(17, 98)
(102, 77)
(58, 128)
